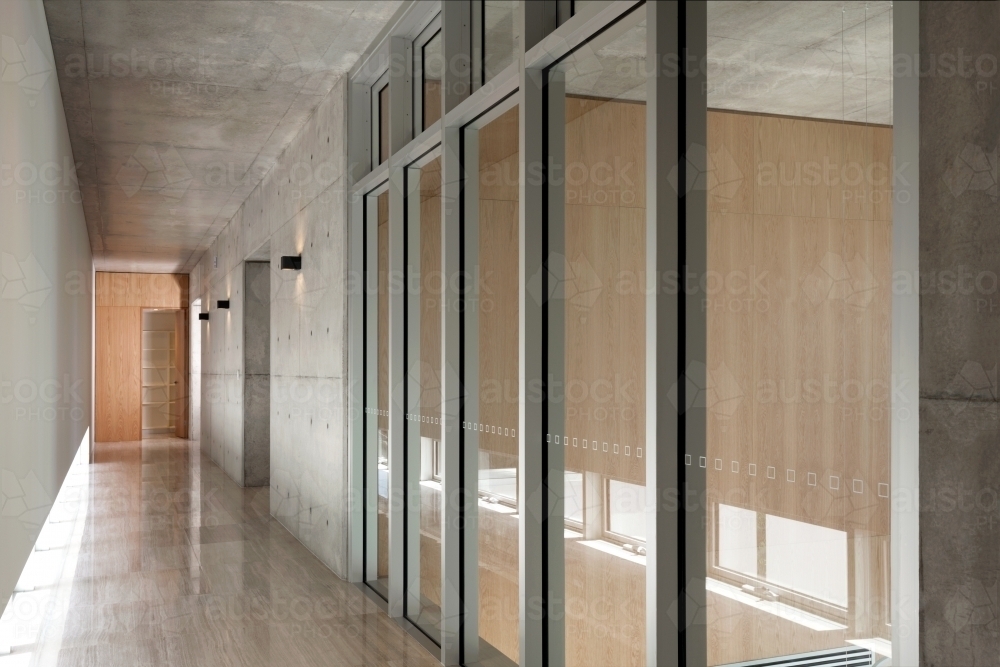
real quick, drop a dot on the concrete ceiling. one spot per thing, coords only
(177, 109)
(814, 59)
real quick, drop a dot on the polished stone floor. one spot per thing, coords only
(153, 556)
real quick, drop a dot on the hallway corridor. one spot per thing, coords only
(165, 561)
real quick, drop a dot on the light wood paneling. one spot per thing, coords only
(120, 299)
(118, 379)
(181, 403)
(141, 290)
(432, 102)
(731, 163)
(498, 372)
(798, 355)
(604, 296)
(430, 299)
(605, 245)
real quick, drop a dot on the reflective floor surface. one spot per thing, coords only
(153, 556)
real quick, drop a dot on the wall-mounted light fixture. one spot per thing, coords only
(291, 263)
(223, 304)
(203, 316)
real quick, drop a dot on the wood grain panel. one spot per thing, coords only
(732, 302)
(181, 329)
(882, 172)
(498, 292)
(799, 382)
(605, 609)
(432, 102)
(730, 162)
(498, 326)
(126, 294)
(142, 290)
(604, 299)
(737, 630)
(798, 164)
(118, 379)
(102, 289)
(430, 299)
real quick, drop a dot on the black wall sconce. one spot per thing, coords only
(203, 317)
(291, 263)
(223, 304)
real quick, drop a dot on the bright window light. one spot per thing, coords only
(738, 540)
(808, 559)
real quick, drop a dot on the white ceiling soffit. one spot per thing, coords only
(176, 110)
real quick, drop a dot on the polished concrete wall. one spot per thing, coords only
(257, 378)
(299, 208)
(46, 283)
(222, 374)
(960, 333)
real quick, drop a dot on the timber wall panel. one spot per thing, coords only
(120, 299)
(118, 403)
(800, 254)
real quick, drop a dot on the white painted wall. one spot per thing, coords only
(46, 281)
(299, 207)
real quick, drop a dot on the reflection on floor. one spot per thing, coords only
(153, 556)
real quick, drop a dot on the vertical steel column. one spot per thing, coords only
(455, 594)
(456, 47)
(413, 388)
(400, 131)
(356, 295)
(470, 360)
(905, 439)
(540, 467)
(531, 434)
(662, 338)
(675, 336)
(400, 93)
(369, 446)
(397, 392)
(694, 212)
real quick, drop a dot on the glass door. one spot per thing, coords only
(491, 325)
(424, 368)
(376, 454)
(596, 338)
(798, 312)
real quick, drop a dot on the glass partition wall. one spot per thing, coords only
(798, 314)
(596, 339)
(647, 355)
(423, 394)
(376, 395)
(490, 324)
